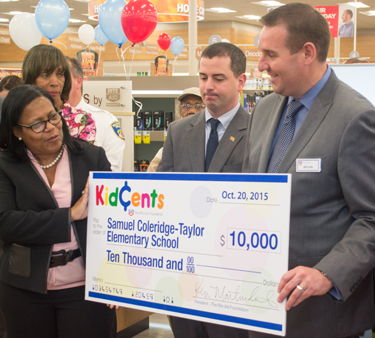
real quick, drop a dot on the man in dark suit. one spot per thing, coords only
(212, 141)
(322, 132)
(1, 104)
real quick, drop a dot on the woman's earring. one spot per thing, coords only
(20, 138)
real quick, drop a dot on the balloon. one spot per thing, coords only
(86, 34)
(52, 17)
(164, 40)
(110, 21)
(100, 37)
(139, 19)
(24, 31)
(177, 45)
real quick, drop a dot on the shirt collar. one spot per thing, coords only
(224, 119)
(308, 99)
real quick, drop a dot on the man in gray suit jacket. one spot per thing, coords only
(1, 104)
(221, 78)
(329, 287)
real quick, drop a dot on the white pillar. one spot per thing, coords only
(193, 37)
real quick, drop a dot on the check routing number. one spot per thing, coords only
(208, 247)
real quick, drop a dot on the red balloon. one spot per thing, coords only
(138, 20)
(164, 41)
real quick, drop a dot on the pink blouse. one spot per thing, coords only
(73, 273)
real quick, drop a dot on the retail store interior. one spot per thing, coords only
(132, 68)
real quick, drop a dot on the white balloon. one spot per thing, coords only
(24, 31)
(86, 34)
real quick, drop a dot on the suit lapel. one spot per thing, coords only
(271, 128)
(195, 139)
(229, 141)
(311, 123)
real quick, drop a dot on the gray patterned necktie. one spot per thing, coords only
(285, 137)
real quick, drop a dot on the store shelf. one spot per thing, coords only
(155, 136)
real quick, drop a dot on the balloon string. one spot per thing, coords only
(60, 43)
(97, 69)
(174, 63)
(131, 65)
(118, 56)
(123, 59)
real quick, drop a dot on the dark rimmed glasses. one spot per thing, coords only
(196, 106)
(39, 127)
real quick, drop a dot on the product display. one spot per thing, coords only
(143, 165)
(168, 119)
(147, 120)
(138, 121)
(136, 165)
(158, 118)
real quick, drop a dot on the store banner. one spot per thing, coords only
(331, 13)
(208, 247)
(168, 10)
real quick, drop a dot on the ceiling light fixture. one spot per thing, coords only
(359, 4)
(369, 13)
(268, 3)
(249, 17)
(220, 10)
(4, 20)
(75, 20)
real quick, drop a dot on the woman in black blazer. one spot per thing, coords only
(43, 206)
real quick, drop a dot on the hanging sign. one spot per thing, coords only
(168, 10)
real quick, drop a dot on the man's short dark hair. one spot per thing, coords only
(304, 24)
(349, 12)
(75, 68)
(225, 49)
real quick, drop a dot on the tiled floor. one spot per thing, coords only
(159, 328)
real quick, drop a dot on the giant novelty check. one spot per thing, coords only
(209, 247)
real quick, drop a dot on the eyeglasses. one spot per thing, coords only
(39, 127)
(189, 106)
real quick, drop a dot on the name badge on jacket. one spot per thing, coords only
(308, 165)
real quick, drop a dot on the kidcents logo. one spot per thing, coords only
(104, 197)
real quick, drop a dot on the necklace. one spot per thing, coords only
(55, 161)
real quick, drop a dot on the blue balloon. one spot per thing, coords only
(177, 45)
(110, 21)
(52, 17)
(100, 37)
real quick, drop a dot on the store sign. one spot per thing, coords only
(74, 42)
(114, 95)
(152, 49)
(168, 10)
(5, 40)
(4, 31)
(7, 71)
(331, 13)
(251, 53)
